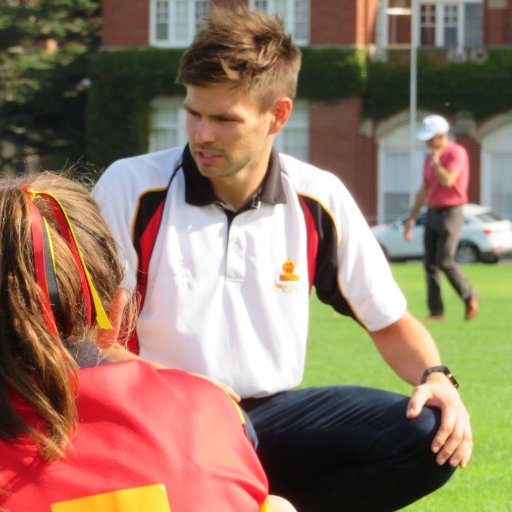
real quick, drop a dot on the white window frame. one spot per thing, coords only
(393, 140)
(494, 192)
(440, 10)
(298, 123)
(289, 16)
(169, 127)
(193, 17)
(495, 136)
(405, 189)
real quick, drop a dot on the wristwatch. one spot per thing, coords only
(442, 369)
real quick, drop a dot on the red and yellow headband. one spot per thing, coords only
(44, 262)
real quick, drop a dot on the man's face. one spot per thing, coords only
(437, 141)
(227, 133)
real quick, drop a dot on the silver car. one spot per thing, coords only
(485, 237)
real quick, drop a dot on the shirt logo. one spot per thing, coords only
(287, 280)
(288, 274)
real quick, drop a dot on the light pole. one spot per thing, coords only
(413, 95)
(413, 12)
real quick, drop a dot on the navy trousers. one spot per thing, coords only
(346, 448)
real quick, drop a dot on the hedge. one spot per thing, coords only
(125, 82)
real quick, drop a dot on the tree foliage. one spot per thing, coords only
(45, 48)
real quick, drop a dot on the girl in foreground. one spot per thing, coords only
(77, 432)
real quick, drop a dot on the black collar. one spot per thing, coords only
(199, 190)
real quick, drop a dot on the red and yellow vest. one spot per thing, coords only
(148, 441)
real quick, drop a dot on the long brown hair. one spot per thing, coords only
(246, 49)
(35, 365)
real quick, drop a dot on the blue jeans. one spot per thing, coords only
(346, 448)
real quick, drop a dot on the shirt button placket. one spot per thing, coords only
(235, 258)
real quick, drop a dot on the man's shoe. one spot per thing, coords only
(472, 306)
(434, 318)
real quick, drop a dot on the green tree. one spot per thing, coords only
(45, 48)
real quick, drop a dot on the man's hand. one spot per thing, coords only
(408, 347)
(436, 155)
(225, 387)
(445, 177)
(410, 223)
(453, 442)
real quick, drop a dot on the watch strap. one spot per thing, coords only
(441, 369)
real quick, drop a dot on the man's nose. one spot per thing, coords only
(204, 131)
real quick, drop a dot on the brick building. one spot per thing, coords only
(376, 158)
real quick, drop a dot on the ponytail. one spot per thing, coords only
(39, 316)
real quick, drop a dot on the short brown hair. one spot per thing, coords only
(248, 49)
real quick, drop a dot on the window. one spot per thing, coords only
(295, 14)
(175, 22)
(428, 25)
(168, 129)
(501, 183)
(395, 185)
(496, 165)
(294, 138)
(398, 178)
(473, 25)
(451, 23)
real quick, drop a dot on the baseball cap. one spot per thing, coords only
(432, 125)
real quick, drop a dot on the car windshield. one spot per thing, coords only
(488, 217)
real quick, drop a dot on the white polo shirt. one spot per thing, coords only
(228, 295)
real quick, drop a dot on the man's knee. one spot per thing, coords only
(422, 432)
(447, 265)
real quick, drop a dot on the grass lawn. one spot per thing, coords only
(478, 352)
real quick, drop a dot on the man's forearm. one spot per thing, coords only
(418, 202)
(445, 177)
(407, 347)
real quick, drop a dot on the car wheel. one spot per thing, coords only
(467, 253)
(489, 258)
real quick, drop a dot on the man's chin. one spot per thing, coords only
(213, 171)
(206, 170)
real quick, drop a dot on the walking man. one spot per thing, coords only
(444, 190)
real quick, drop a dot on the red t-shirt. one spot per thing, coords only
(156, 440)
(455, 159)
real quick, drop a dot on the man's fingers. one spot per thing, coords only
(417, 402)
(456, 450)
(446, 430)
(453, 442)
(448, 438)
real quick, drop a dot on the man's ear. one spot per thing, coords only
(281, 112)
(106, 337)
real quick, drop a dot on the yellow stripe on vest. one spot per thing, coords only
(265, 507)
(139, 499)
(238, 411)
